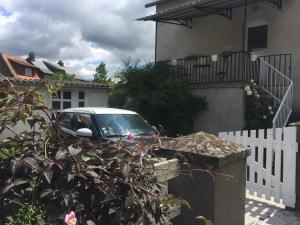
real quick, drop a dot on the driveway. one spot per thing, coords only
(264, 213)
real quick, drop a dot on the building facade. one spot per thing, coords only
(204, 28)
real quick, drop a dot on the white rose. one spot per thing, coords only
(270, 108)
(257, 96)
(252, 81)
(249, 93)
(264, 117)
(272, 112)
(247, 88)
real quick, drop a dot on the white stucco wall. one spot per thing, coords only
(214, 34)
(225, 110)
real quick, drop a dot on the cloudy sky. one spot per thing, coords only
(80, 32)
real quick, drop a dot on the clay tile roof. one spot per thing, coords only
(21, 61)
(8, 59)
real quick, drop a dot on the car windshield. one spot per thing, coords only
(123, 124)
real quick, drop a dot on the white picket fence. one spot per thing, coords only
(271, 167)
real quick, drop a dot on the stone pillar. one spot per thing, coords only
(218, 195)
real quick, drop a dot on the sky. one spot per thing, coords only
(82, 33)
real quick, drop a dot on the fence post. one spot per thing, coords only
(217, 194)
(297, 124)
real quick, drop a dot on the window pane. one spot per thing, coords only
(67, 95)
(28, 71)
(84, 121)
(81, 104)
(56, 105)
(81, 95)
(65, 120)
(56, 95)
(258, 37)
(67, 105)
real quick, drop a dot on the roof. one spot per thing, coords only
(66, 69)
(100, 110)
(198, 8)
(46, 67)
(66, 83)
(8, 60)
(41, 65)
(156, 3)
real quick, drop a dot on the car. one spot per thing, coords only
(103, 123)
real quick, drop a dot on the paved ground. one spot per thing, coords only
(263, 213)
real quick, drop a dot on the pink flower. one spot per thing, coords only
(130, 137)
(70, 219)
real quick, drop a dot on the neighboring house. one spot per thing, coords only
(210, 42)
(32, 72)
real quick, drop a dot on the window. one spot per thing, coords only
(61, 100)
(257, 38)
(67, 105)
(67, 95)
(81, 97)
(80, 104)
(65, 120)
(28, 71)
(84, 121)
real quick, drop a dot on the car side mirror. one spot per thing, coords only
(84, 133)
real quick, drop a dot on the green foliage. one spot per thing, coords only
(27, 215)
(63, 77)
(108, 183)
(260, 108)
(101, 75)
(164, 102)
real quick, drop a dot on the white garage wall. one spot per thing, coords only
(94, 97)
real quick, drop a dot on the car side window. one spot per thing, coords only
(84, 120)
(65, 120)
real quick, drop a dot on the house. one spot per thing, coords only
(32, 72)
(214, 44)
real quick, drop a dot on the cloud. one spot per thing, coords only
(80, 32)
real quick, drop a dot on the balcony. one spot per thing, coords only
(227, 67)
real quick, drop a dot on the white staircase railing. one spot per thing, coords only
(280, 87)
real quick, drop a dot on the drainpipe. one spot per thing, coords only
(244, 40)
(155, 42)
(244, 33)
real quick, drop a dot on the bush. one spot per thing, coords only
(44, 174)
(260, 108)
(165, 102)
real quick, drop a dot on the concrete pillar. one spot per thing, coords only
(214, 195)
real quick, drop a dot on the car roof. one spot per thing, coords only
(99, 110)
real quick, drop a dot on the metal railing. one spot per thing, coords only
(227, 67)
(280, 87)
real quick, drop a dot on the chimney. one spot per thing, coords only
(61, 63)
(31, 57)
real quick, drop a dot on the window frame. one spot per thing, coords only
(252, 25)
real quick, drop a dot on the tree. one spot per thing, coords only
(101, 74)
(165, 102)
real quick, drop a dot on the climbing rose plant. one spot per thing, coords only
(49, 178)
(260, 108)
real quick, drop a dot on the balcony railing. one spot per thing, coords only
(227, 67)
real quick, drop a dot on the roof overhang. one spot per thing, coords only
(184, 13)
